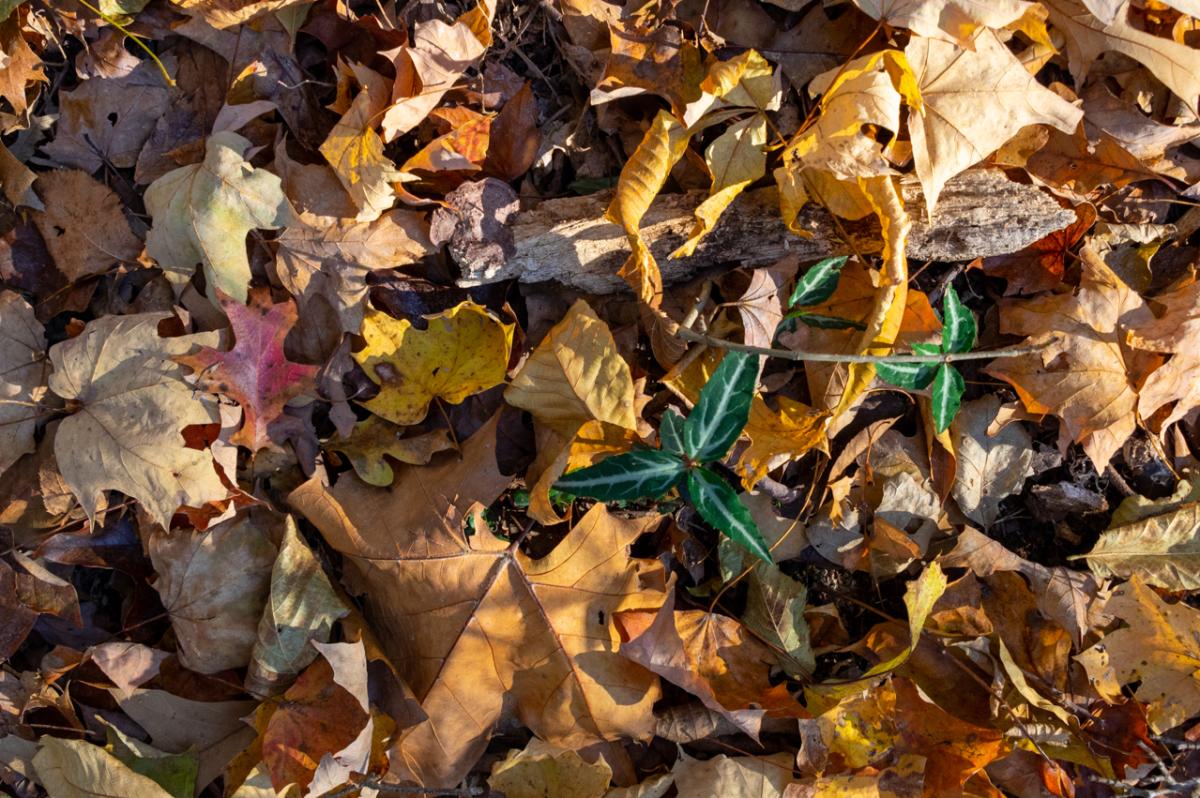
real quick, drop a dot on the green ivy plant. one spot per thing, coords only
(958, 336)
(688, 446)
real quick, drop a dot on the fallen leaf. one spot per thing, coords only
(133, 405)
(955, 21)
(950, 131)
(255, 372)
(1041, 265)
(22, 377)
(990, 467)
(227, 13)
(542, 769)
(20, 68)
(78, 769)
(175, 773)
(1157, 647)
(475, 614)
(215, 609)
(202, 214)
(81, 248)
(425, 71)
(733, 777)
(1161, 549)
(301, 607)
(462, 352)
(375, 438)
(355, 150)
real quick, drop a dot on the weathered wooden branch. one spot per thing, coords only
(980, 213)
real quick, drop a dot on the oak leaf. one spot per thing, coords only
(1157, 647)
(474, 625)
(972, 101)
(20, 67)
(255, 372)
(462, 352)
(22, 377)
(83, 225)
(203, 212)
(133, 405)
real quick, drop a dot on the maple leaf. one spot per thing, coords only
(355, 150)
(375, 438)
(1083, 373)
(426, 70)
(22, 377)
(80, 249)
(227, 13)
(972, 101)
(462, 352)
(479, 625)
(203, 212)
(132, 406)
(255, 372)
(955, 21)
(1157, 647)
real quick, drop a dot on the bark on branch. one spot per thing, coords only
(980, 213)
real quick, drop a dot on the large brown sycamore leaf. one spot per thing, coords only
(481, 631)
(131, 405)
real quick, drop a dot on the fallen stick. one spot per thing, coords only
(980, 213)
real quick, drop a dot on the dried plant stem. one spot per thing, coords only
(136, 40)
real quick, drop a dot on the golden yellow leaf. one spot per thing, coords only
(641, 179)
(883, 325)
(482, 632)
(355, 150)
(374, 438)
(542, 769)
(1157, 647)
(463, 351)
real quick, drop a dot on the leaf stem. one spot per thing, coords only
(136, 40)
(831, 357)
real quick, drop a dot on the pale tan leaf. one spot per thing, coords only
(1161, 550)
(132, 407)
(955, 21)
(78, 769)
(22, 377)
(733, 777)
(227, 13)
(542, 769)
(990, 467)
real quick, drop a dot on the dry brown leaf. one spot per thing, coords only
(227, 13)
(22, 377)
(83, 225)
(733, 777)
(990, 467)
(542, 769)
(355, 150)
(955, 21)
(435, 62)
(476, 624)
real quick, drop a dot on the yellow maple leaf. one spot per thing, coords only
(463, 351)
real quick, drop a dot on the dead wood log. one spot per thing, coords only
(980, 213)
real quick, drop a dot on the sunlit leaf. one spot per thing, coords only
(724, 406)
(719, 505)
(639, 474)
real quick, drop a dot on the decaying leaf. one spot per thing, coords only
(81, 248)
(990, 467)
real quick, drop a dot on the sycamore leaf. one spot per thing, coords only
(301, 607)
(990, 467)
(133, 405)
(952, 129)
(542, 769)
(1161, 550)
(82, 248)
(1084, 374)
(256, 372)
(641, 179)
(22, 377)
(723, 408)
(355, 150)
(947, 391)
(463, 351)
(735, 159)
(639, 474)
(375, 438)
(1157, 647)
(482, 632)
(77, 769)
(1176, 65)
(958, 324)
(818, 283)
(955, 21)
(214, 609)
(719, 505)
(203, 212)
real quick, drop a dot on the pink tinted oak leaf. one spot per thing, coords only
(255, 372)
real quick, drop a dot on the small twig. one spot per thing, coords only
(136, 40)
(829, 357)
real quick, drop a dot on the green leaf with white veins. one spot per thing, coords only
(958, 325)
(818, 283)
(670, 432)
(912, 376)
(948, 387)
(723, 408)
(719, 505)
(639, 474)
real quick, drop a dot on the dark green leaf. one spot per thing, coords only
(958, 325)
(948, 389)
(720, 506)
(818, 283)
(670, 432)
(723, 409)
(912, 376)
(825, 322)
(639, 474)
